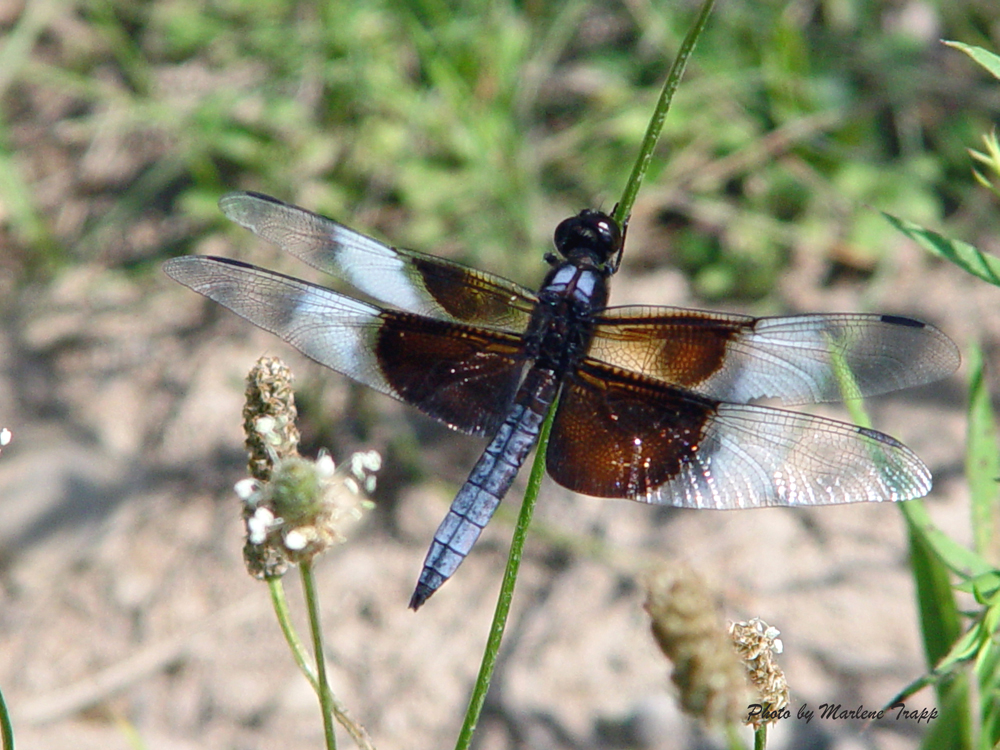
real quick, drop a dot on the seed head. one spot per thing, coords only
(710, 679)
(307, 507)
(757, 644)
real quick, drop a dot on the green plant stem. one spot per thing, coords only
(982, 460)
(6, 730)
(358, 733)
(624, 207)
(482, 685)
(621, 213)
(325, 696)
(281, 611)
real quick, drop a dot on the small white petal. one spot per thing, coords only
(358, 464)
(325, 467)
(777, 646)
(265, 425)
(772, 633)
(365, 463)
(295, 540)
(258, 525)
(246, 489)
(5, 436)
(255, 534)
(351, 486)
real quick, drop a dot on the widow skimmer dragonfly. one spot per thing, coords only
(655, 404)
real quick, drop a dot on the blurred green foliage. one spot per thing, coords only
(960, 643)
(470, 128)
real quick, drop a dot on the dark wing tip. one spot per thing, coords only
(919, 480)
(236, 195)
(937, 344)
(262, 196)
(879, 437)
(899, 320)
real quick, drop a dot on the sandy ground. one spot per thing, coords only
(124, 605)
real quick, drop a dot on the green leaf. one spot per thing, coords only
(959, 559)
(6, 730)
(982, 461)
(964, 649)
(962, 254)
(988, 672)
(941, 628)
(985, 587)
(939, 615)
(952, 729)
(985, 58)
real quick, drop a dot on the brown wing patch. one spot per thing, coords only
(472, 296)
(685, 347)
(621, 435)
(797, 358)
(618, 435)
(462, 375)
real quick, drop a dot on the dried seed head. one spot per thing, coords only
(757, 643)
(269, 416)
(710, 679)
(293, 508)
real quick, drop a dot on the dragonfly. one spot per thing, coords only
(655, 404)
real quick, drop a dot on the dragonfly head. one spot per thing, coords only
(589, 235)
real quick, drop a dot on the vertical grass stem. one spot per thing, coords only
(621, 213)
(624, 207)
(316, 630)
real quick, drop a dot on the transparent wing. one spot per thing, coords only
(459, 374)
(405, 279)
(620, 435)
(799, 358)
